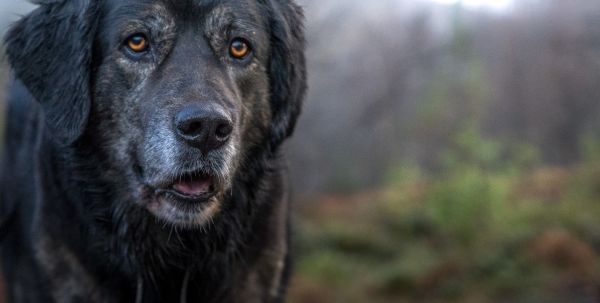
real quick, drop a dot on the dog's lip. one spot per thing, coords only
(185, 197)
(192, 187)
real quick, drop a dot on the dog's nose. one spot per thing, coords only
(205, 127)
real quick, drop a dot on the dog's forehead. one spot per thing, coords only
(186, 10)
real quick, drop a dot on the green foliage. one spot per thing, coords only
(590, 146)
(494, 226)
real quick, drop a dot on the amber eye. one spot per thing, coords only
(239, 48)
(137, 43)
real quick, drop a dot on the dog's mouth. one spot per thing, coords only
(190, 200)
(190, 188)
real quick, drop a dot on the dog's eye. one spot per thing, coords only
(137, 43)
(239, 48)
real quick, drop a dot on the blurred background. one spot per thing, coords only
(449, 151)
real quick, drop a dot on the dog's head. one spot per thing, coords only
(176, 94)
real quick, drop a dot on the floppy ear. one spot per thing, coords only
(50, 51)
(287, 67)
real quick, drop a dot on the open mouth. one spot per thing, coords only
(190, 200)
(190, 188)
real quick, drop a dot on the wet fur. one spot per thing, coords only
(75, 233)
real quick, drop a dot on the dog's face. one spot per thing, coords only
(183, 86)
(174, 93)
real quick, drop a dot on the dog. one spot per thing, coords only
(142, 158)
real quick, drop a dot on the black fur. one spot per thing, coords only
(52, 52)
(79, 227)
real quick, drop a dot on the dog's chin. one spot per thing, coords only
(190, 201)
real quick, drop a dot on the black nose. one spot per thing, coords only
(206, 127)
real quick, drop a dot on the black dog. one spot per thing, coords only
(141, 161)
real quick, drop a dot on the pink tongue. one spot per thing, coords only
(193, 188)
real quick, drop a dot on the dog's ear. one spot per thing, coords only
(50, 51)
(287, 67)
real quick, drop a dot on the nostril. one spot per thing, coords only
(223, 131)
(190, 128)
(194, 128)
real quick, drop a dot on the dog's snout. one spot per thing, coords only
(203, 127)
